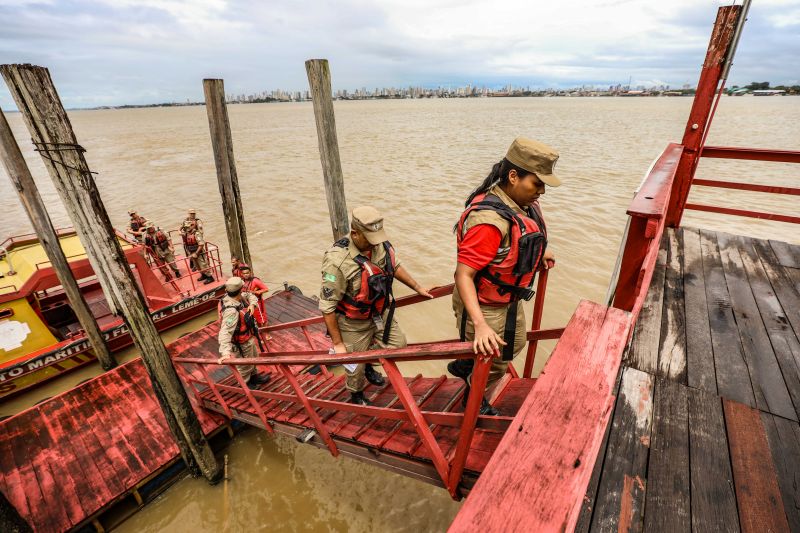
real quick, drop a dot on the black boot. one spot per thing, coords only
(373, 376)
(177, 273)
(358, 398)
(486, 407)
(461, 368)
(257, 379)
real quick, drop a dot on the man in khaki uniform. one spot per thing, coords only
(196, 251)
(237, 330)
(190, 221)
(355, 321)
(136, 225)
(161, 249)
(497, 262)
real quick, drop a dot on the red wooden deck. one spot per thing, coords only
(64, 461)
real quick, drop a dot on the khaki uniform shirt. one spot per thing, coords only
(341, 274)
(230, 318)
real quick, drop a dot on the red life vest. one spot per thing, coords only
(156, 239)
(376, 287)
(509, 276)
(190, 240)
(243, 332)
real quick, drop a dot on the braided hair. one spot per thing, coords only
(497, 176)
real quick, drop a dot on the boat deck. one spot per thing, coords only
(64, 461)
(704, 434)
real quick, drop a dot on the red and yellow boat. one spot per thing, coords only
(40, 337)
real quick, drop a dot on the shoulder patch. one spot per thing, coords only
(327, 293)
(231, 320)
(327, 276)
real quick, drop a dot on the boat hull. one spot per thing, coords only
(27, 372)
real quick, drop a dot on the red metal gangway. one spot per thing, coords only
(416, 426)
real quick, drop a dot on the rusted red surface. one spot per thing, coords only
(757, 492)
(537, 476)
(66, 459)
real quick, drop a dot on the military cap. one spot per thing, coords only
(535, 157)
(131, 211)
(234, 284)
(369, 221)
(193, 210)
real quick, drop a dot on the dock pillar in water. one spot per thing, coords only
(52, 134)
(222, 143)
(319, 81)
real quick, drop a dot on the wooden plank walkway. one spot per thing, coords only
(65, 460)
(704, 435)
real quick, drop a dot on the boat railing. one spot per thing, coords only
(28, 238)
(747, 154)
(647, 217)
(449, 466)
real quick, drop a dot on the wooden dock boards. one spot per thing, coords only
(729, 320)
(68, 458)
(723, 450)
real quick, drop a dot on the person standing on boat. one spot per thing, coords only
(502, 242)
(136, 225)
(161, 249)
(196, 251)
(238, 332)
(256, 287)
(191, 220)
(235, 266)
(356, 296)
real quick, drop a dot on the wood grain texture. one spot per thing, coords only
(757, 492)
(623, 483)
(643, 351)
(733, 377)
(784, 443)
(713, 499)
(699, 352)
(672, 345)
(49, 126)
(20, 175)
(227, 179)
(668, 502)
(782, 337)
(319, 81)
(769, 386)
(539, 472)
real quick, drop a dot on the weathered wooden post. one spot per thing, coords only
(10, 520)
(21, 177)
(50, 128)
(319, 80)
(222, 143)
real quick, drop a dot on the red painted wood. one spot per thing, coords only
(652, 197)
(698, 123)
(536, 323)
(538, 475)
(757, 493)
(751, 154)
(480, 376)
(746, 186)
(743, 213)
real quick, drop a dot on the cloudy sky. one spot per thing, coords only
(110, 52)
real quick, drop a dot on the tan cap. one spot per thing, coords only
(535, 157)
(149, 225)
(131, 211)
(369, 221)
(193, 210)
(234, 284)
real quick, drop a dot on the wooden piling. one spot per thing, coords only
(52, 134)
(10, 520)
(222, 143)
(319, 80)
(20, 175)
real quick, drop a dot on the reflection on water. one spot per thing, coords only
(416, 160)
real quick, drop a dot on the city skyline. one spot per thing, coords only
(117, 52)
